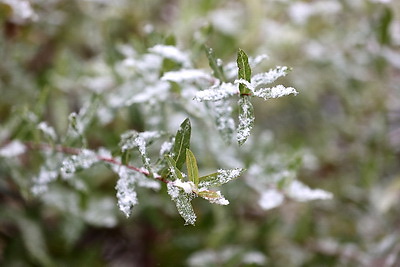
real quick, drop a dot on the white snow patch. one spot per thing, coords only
(12, 149)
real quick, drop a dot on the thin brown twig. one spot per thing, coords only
(77, 151)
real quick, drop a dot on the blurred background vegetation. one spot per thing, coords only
(345, 57)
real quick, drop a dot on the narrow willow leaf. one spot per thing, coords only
(75, 163)
(182, 202)
(219, 178)
(215, 64)
(222, 113)
(246, 119)
(192, 169)
(182, 142)
(173, 170)
(217, 92)
(244, 71)
(275, 92)
(214, 197)
(270, 76)
(126, 193)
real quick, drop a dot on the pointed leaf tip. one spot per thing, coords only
(182, 142)
(244, 71)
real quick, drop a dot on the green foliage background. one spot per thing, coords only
(345, 57)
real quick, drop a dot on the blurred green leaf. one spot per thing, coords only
(215, 65)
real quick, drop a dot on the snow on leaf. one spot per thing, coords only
(126, 194)
(222, 113)
(171, 52)
(301, 192)
(257, 60)
(72, 164)
(42, 180)
(166, 148)
(275, 92)
(12, 149)
(47, 130)
(182, 202)
(133, 139)
(246, 83)
(217, 92)
(219, 178)
(186, 75)
(213, 197)
(188, 187)
(246, 119)
(269, 77)
(270, 198)
(22, 11)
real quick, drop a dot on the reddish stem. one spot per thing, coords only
(77, 151)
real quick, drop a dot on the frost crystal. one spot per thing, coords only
(12, 149)
(126, 194)
(186, 75)
(301, 192)
(171, 52)
(275, 92)
(270, 199)
(217, 92)
(47, 130)
(77, 162)
(182, 202)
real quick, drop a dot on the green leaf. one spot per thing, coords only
(246, 119)
(214, 197)
(244, 71)
(383, 26)
(208, 194)
(218, 71)
(219, 178)
(182, 142)
(191, 164)
(176, 173)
